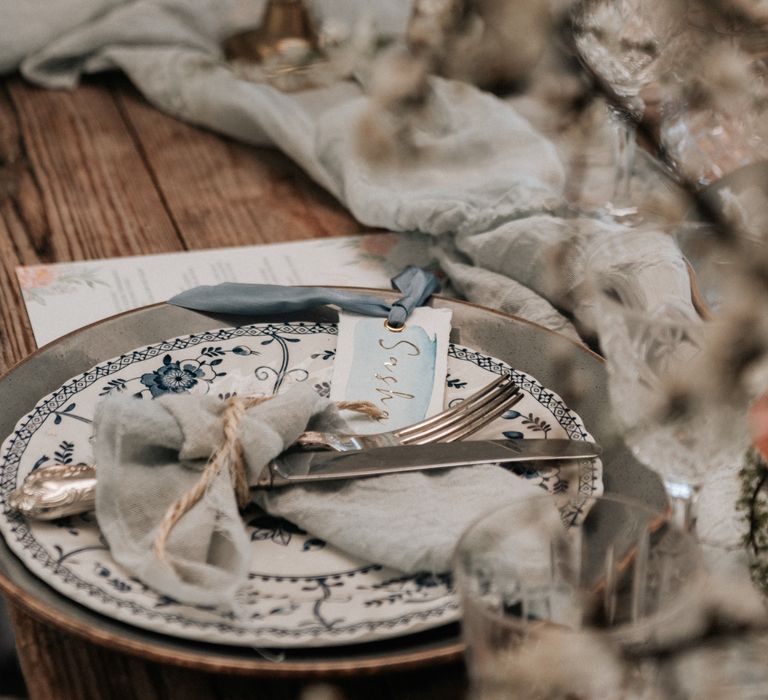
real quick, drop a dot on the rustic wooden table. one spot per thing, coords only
(97, 172)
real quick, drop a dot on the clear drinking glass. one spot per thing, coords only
(552, 612)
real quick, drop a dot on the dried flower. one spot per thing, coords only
(549, 665)
(721, 79)
(399, 95)
(754, 505)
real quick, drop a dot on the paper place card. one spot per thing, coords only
(402, 372)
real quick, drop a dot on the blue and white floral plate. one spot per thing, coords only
(303, 592)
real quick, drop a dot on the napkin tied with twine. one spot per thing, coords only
(167, 502)
(151, 454)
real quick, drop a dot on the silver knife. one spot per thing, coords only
(59, 490)
(313, 467)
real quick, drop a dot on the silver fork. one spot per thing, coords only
(467, 417)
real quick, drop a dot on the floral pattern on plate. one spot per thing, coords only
(301, 592)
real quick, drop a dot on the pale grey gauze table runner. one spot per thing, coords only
(487, 196)
(494, 204)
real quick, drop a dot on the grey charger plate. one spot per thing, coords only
(523, 344)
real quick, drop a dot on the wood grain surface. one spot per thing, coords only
(97, 172)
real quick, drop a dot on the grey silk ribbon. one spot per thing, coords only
(416, 285)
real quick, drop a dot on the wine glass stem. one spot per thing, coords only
(683, 502)
(625, 160)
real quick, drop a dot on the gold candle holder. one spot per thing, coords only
(286, 30)
(283, 51)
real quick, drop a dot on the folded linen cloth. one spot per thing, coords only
(150, 453)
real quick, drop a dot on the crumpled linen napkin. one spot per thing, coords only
(151, 452)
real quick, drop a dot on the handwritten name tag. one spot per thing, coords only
(401, 373)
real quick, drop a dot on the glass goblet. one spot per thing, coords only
(621, 42)
(666, 396)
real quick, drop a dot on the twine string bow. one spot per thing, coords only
(229, 456)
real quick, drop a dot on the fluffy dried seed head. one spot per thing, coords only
(380, 138)
(399, 80)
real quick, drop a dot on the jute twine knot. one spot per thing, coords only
(229, 456)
